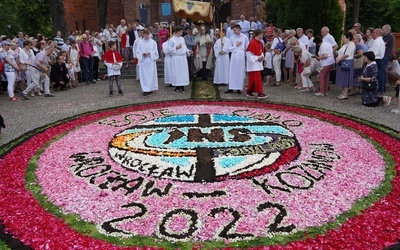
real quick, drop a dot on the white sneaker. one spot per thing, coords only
(396, 111)
(319, 94)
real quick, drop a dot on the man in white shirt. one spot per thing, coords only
(229, 30)
(302, 37)
(253, 24)
(378, 47)
(245, 26)
(328, 38)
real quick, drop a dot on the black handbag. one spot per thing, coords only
(370, 86)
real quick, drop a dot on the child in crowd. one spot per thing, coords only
(71, 73)
(113, 60)
(268, 63)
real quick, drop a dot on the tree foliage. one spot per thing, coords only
(30, 18)
(375, 13)
(307, 14)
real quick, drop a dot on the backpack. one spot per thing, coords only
(280, 45)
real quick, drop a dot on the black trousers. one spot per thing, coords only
(96, 61)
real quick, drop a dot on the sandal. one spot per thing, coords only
(342, 97)
(14, 99)
(276, 84)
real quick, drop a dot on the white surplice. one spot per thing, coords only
(167, 63)
(134, 48)
(148, 68)
(237, 70)
(179, 64)
(221, 73)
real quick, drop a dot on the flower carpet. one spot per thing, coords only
(203, 174)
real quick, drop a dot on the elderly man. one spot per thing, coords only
(302, 37)
(229, 30)
(204, 53)
(388, 39)
(357, 28)
(86, 52)
(378, 47)
(328, 38)
(121, 29)
(39, 71)
(245, 26)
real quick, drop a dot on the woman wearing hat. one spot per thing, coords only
(10, 68)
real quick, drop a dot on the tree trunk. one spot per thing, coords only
(356, 11)
(58, 17)
(102, 12)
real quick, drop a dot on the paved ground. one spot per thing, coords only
(25, 115)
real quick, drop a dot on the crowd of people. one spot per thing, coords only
(245, 49)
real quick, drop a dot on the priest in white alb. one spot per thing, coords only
(237, 72)
(147, 54)
(221, 52)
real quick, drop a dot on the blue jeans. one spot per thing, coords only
(382, 74)
(87, 69)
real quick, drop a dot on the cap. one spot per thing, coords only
(5, 42)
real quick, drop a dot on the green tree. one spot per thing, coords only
(375, 13)
(34, 17)
(8, 18)
(307, 14)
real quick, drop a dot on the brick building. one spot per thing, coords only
(82, 15)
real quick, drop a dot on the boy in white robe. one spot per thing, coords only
(134, 47)
(167, 63)
(221, 73)
(237, 72)
(147, 54)
(180, 69)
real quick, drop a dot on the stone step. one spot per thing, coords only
(130, 73)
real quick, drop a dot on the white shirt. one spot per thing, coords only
(229, 32)
(394, 66)
(347, 49)
(304, 39)
(245, 25)
(378, 47)
(326, 49)
(329, 39)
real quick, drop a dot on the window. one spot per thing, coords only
(165, 9)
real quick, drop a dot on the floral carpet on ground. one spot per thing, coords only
(200, 174)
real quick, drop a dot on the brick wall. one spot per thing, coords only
(242, 7)
(83, 15)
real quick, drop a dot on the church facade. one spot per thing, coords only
(92, 15)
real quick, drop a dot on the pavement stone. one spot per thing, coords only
(26, 115)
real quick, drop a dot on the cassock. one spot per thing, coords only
(112, 57)
(221, 52)
(179, 65)
(167, 63)
(237, 70)
(254, 66)
(148, 68)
